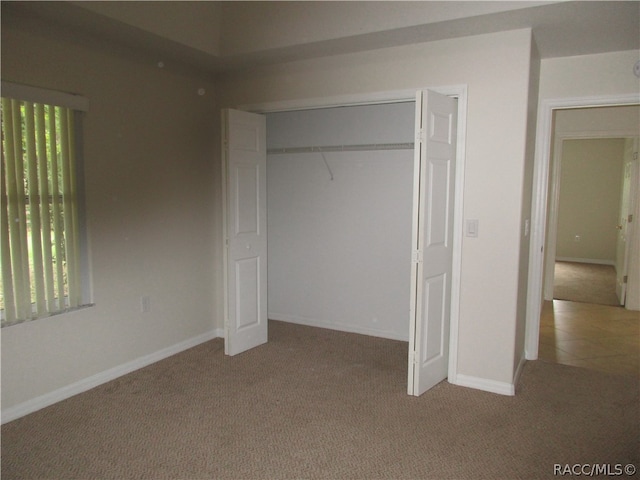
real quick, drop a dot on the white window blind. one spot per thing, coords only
(40, 230)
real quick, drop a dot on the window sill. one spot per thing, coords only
(49, 315)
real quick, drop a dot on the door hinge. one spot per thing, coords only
(412, 358)
(421, 135)
(630, 218)
(625, 278)
(416, 256)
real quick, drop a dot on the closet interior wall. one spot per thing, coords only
(339, 195)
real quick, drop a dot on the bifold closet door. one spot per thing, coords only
(245, 225)
(433, 208)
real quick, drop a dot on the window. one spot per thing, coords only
(41, 235)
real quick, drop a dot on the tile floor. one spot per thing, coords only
(598, 337)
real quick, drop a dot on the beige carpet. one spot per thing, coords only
(585, 282)
(316, 403)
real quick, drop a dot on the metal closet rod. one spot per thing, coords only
(342, 148)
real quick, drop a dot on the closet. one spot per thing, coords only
(339, 209)
(344, 218)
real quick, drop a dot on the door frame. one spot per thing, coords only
(554, 196)
(460, 93)
(540, 202)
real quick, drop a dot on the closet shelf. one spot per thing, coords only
(342, 148)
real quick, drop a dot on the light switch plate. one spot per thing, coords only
(472, 228)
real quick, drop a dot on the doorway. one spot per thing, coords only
(453, 237)
(542, 196)
(585, 253)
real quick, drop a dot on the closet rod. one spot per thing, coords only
(343, 148)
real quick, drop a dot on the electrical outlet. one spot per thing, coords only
(577, 238)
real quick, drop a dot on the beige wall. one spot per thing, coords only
(590, 189)
(620, 120)
(148, 173)
(589, 75)
(496, 69)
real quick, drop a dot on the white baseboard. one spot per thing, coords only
(341, 327)
(493, 386)
(595, 261)
(88, 383)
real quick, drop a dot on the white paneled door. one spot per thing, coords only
(433, 208)
(245, 224)
(627, 205)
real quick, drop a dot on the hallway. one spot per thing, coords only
(597, 337)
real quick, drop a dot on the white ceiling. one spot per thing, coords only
(219, 36)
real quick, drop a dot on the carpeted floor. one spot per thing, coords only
(316, 403)
(585, 282)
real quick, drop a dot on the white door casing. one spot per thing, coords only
(245, 230)
(432, 237)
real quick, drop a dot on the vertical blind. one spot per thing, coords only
(39, 231)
